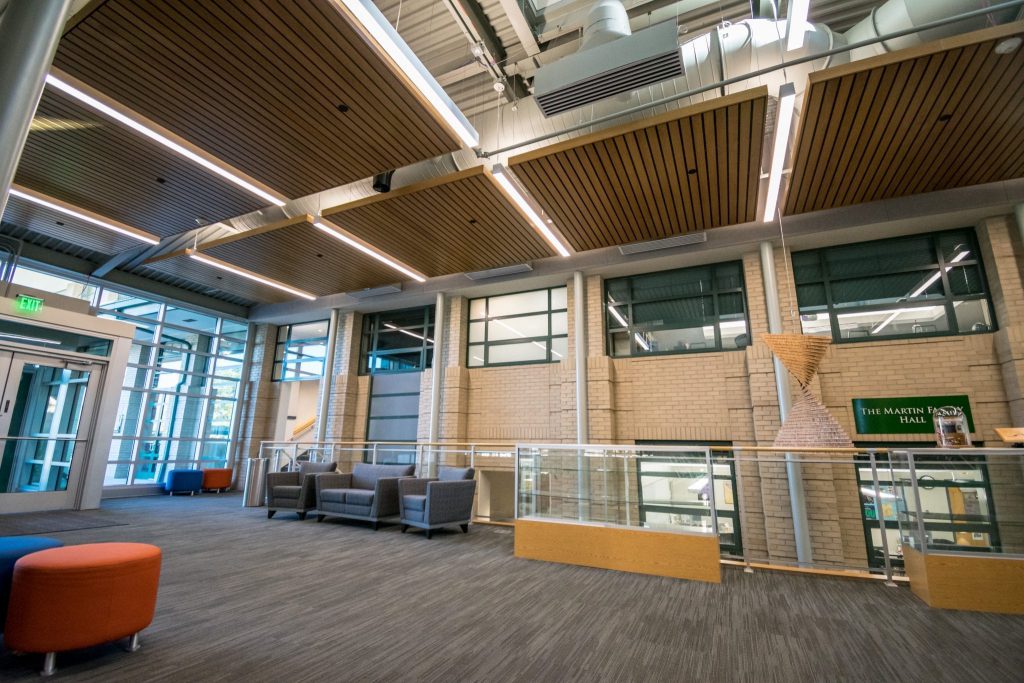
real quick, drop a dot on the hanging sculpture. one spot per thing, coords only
(809, 423)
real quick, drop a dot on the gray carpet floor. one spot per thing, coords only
(243, 598)
(30, 523)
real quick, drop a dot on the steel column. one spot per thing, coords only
(29, 34)
(797, 503)
(438, 369)
(582, 412)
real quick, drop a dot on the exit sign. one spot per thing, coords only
(28, 304)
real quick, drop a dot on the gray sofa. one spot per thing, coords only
(295, 491)
(370, 493)
(433, 503)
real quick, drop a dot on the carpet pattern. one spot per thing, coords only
(243, 598)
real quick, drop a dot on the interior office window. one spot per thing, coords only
(956, 497)
(301, 352)
(513, 329)
(397, 341)
(690, 310)
(674, 492)
(923, 285)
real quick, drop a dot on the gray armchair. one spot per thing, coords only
(370, 493)
(433, 503)
(295, 491)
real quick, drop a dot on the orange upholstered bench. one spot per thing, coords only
(217, 478)
(80, 596)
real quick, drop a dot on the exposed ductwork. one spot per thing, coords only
(727, 52)
(607, 21)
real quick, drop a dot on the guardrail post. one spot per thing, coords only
(373, 457)
(711, 492)
(880, 516)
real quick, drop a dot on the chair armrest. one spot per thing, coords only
(331, 480)
(385, 497)
(450, 501)
(282, 479)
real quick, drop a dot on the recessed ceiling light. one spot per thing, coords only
(1005, 47)
(945, 117)
(60, 223)
(343, 108)
(691, 171)
(42, 200)
(138, 127)
(161, 181)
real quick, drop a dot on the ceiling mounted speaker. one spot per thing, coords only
(382, 181)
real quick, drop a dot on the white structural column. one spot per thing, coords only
(579, 308)
(327, 382)
(438, 370)
(797, 503)
(29, 33)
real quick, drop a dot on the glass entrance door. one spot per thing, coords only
(45, 422)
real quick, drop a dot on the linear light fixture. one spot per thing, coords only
(138, 127)
(519, 199)
(796, 21)
(920, 290)
(393, 47)
(248, 274)
(369, 252)
(127, 231)
(411, 334)
(783, 122)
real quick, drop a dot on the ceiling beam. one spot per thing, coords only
(521, 24)
(470, 17)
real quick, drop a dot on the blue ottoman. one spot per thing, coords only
(12, 549)
(183, 481)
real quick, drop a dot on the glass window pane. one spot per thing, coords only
(395, 362)
(477, 309)
(965, 280)
(235, 329)
(671, 284)
(893, 322)
(514, 304)
(730, 304)
(523, 352)
(409, 318)
(476, 356)
(559, 323)
(518, 328)
(729, 275)
(129, 304)
(620, 344)
(883, 289)
(816, 323)
(696, 338)
(399, 339)
(129, 412)
(734, 334)
(675, 313)
(807, 267)
(476, 332)
(559, 348)
(873, 258)
(617, 290)
(973, 316)
(182, 317)
(234, 348)
(811, 297)
(957, 246)
(559, 298)
(313, 330)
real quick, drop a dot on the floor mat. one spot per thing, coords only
(36, 523)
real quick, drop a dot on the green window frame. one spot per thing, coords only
(925, 285)
(300, 358)
(702, 309)
(397, 341)
(520, 328)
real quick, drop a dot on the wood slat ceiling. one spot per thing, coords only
(944, 115)
(211, 281)
(60, 226)
(452, 224)
(258, 85)
(304, 257)
(96, 164)
(689, 170)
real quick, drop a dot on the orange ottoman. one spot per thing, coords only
(80, 596)
(217, 478)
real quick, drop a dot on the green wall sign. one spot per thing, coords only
(29, 304)
(905, 415)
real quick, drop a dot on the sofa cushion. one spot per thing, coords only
(414, 502)
(359, 497)
(334, 495)
(286, 491)
(454, 473)
(317, 467)
(414, 515)
(365, 475)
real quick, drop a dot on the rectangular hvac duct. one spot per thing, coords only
(667, 243)
(644, 58)
(375, 291)
(498, 272)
